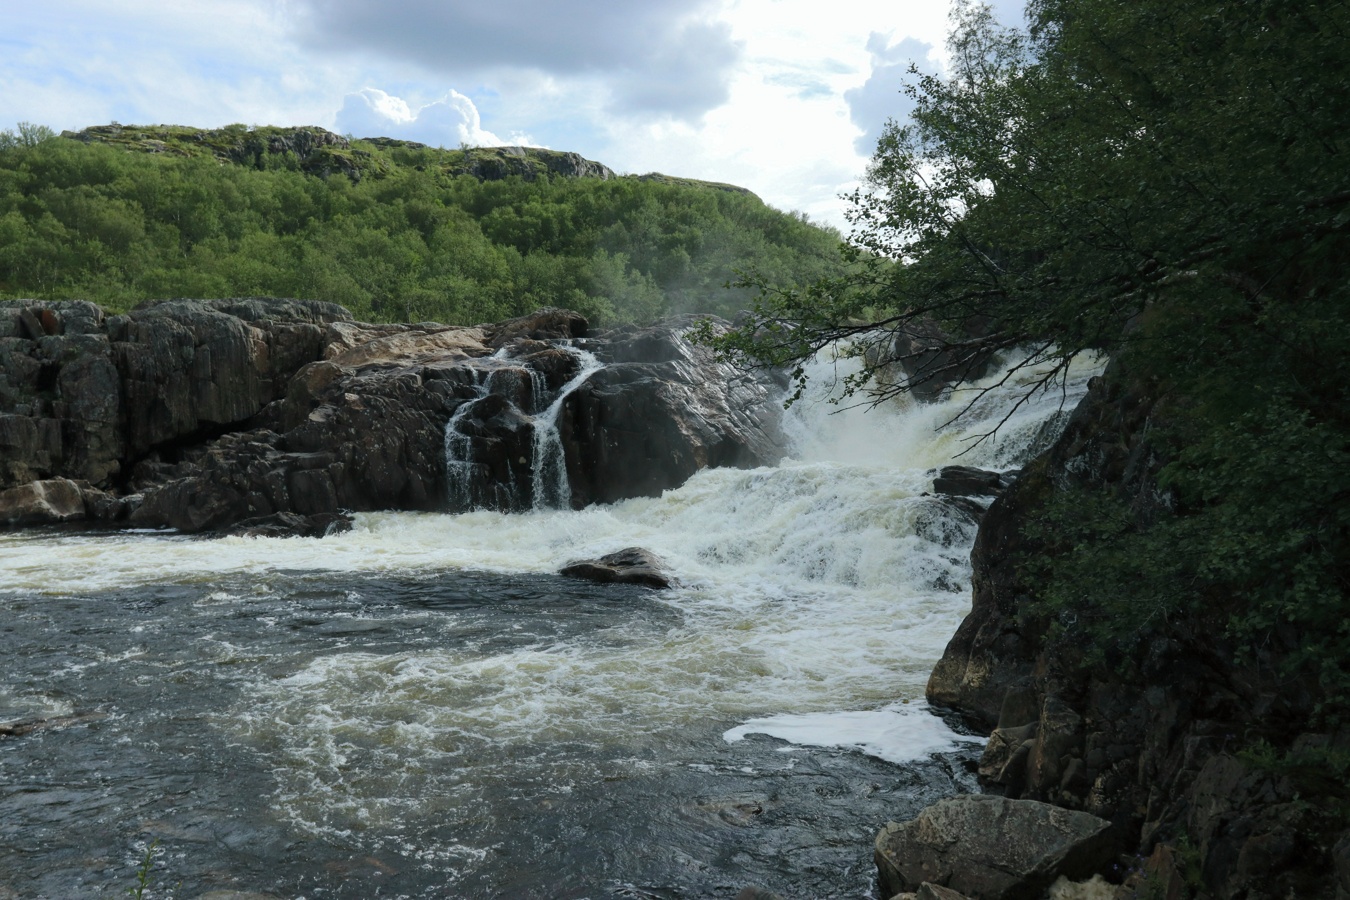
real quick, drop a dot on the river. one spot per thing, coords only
(419, 708)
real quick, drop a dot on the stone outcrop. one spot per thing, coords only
(632, 565)
(991, 848)
(926, 360)
(202, 415)
(1152, 746)
(84, 394)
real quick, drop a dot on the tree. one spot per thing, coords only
(25, 135)
(1113, 159)
(1167, 183)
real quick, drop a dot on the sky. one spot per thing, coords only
(784, 97)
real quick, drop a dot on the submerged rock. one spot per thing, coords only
(287, 524)
(991, 848)
(632, 565)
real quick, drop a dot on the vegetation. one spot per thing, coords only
(394, 231)
(1166, 183)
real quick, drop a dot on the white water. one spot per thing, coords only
(552, 489)
(816, 596)
(548, 466)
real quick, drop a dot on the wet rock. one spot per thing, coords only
(967, 481)
(755, 893)
(49, 502)
(930, 891)
(632, 565)
(288, 524)
(638, 428)
(991, 847)
(927, 361)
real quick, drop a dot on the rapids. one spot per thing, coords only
(419, 708)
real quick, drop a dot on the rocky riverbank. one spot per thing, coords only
(1158, 750)
(281, 416)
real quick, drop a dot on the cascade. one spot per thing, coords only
(551, 487)
(459, 450)
(548, 465)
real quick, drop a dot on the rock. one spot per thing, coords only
(1144, 741)
(661, 410)
(287, 524)
(927, 361)
(991, 848)
(218, 412)
(1340, 855)
(48, 502)
(967, 481)
(930, 891)
(755, 893)
(629, 566)
(88, 396)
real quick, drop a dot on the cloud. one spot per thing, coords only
(662, 57)
(449, 122)
(882, 96)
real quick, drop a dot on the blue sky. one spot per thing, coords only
(784, 97)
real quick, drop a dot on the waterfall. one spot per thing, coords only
(551, 487)
(548, 464)
(459, 449)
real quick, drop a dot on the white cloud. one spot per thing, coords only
(448, 122)
(656, 57)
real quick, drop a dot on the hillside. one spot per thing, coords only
(394, 230)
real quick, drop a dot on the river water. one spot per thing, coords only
(419, 708)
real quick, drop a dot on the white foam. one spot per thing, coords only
(898, 733)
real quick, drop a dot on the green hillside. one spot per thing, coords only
(394, 230)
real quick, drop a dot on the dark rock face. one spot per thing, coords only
(1153, 752)
(659, 411)
(90, 393)
(632, 565)
(992, 848)
(200, 415)
(967, 481)
(929, 361)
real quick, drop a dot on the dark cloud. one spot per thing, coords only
(658, 56)
(882, 96)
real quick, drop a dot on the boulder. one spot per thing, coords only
(756, 893)
(967, 481)
(926, 360)
(991, 848)
(47, 502)
(632, 565)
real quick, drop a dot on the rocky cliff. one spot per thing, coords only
(280, 416)
(1158, 745)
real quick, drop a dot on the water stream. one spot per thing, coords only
(420, 709)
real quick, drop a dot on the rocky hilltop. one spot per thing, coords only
(318, 151)
(280, 416)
